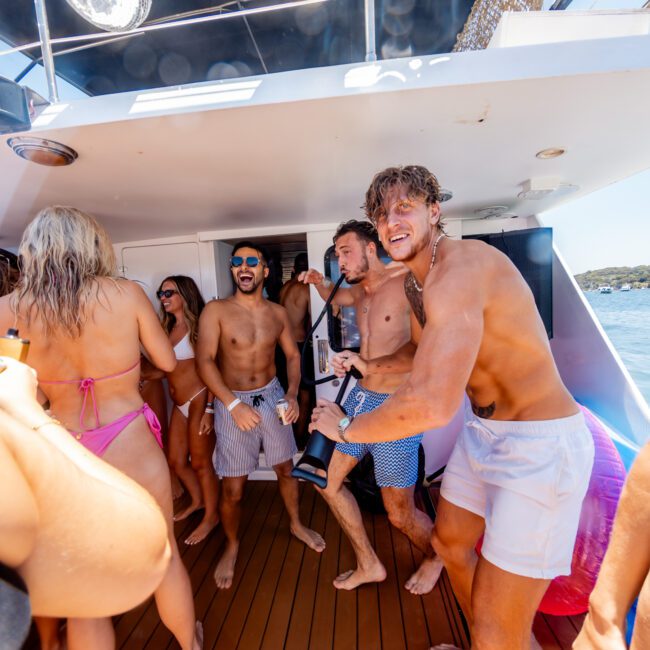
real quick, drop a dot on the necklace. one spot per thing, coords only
(414, 283)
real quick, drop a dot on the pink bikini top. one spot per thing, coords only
(87, 386)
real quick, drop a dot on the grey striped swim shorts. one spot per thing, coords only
(237, 452)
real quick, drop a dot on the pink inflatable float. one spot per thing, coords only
(569, 595)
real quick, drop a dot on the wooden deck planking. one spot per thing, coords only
(143, 625)
(345, 619)
(322, 627)
(282, 594)
(303, 610)
(284, 599)
(368, 632)
(563, 628)
(235, 619)
(257, 496)
(413, 618)
(223, 599)
(390, 607)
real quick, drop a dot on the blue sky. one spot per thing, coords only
(610, 227)
(12, 64)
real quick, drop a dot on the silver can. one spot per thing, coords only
(281, 409)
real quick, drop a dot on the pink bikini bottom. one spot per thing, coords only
(97, 440)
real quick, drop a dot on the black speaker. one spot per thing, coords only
(14, 111)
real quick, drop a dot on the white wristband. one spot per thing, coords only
(234, 403)
(210, 411)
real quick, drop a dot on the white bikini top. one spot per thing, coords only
(183, 349)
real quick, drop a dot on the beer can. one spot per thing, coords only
(281, 409)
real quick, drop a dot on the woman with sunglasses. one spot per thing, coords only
(86, 326)
(192, 420)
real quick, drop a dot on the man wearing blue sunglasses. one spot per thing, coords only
(236, 360)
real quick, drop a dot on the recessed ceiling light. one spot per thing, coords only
(552, 152)
(43, 152)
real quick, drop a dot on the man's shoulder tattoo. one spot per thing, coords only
(484, 411)
(415, 299)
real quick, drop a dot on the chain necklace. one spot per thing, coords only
(414, 283)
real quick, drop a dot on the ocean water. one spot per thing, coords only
(625, 316)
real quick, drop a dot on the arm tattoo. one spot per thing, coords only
(484, 411)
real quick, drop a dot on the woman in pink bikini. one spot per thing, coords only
(86, 326)
(192, 421)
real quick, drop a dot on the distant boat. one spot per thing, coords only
(626, 287)
(605, 288)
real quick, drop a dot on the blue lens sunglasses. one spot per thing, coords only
(237, 260)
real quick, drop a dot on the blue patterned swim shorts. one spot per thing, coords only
(396, 462)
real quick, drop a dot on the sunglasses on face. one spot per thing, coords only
(166, 293)
(236, 261)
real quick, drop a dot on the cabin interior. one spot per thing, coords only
(179, 171)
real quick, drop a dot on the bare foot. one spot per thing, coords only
(354, 577)
(425, 578)
(186, 512)
(201, 531)
(198, 636)
(225, 570)
(309, 537)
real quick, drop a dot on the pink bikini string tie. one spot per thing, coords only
(86, 386)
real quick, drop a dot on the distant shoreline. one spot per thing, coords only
(637, 277)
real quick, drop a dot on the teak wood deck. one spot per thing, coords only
(282, 595)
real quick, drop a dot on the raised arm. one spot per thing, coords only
(442, 365)
(152, 336)
(344, 297)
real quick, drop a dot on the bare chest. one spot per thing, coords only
(382, 314)
(255, 332)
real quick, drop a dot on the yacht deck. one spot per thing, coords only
(282, 595)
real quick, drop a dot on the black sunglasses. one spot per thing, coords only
(167, 293)
(238, 260)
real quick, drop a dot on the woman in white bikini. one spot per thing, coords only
(192, 422)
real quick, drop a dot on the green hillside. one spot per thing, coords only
(615, 276)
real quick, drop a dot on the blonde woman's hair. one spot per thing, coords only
(62, 252)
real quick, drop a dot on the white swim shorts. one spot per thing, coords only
(528, 481)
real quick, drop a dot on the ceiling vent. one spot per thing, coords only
(537, 188)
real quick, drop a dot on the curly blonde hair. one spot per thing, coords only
(62, 253)
(418, 181)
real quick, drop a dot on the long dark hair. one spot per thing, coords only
(193, 305)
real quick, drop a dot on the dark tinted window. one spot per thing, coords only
(531, 251)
